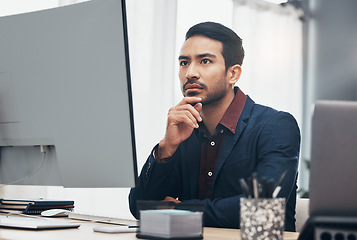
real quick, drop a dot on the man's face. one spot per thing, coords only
(202, 69)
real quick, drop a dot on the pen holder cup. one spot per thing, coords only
(262, 218)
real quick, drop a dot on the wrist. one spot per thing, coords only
(165, 150)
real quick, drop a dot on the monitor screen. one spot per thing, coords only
(65, 84)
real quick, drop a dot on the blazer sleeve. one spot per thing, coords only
(278, 150)
(156, 181)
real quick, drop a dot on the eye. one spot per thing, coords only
(183, 63)
(206, 61)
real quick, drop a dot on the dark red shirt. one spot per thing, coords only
(211, 146)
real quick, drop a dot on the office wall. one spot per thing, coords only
(335, 39)
(331, 57)
(8, 7)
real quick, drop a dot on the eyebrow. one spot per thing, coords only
(203, 55)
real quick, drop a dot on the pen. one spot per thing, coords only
(250, 185)
(255, 185)
(263, 188)
(245, 188)
(280, 183)
(270, 188)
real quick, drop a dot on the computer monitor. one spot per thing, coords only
(333, 192)
(333, 189)
(65, 83)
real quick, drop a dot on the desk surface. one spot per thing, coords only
(85, 231)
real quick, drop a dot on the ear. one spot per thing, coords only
(234, 73)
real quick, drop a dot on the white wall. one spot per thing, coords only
(9, 7)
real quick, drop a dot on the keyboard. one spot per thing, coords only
(35, 223)
(102, 219)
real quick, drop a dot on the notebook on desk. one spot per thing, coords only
(33, 206)
(35, 223)
(333, 171)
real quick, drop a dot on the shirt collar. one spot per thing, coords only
(231, 116)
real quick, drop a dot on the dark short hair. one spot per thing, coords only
(233, 52)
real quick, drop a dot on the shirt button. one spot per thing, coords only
(210, 174)
(221, 131)
(213, 143)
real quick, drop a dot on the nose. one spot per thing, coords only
(192, 71)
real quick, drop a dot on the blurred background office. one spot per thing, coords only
(297, 52)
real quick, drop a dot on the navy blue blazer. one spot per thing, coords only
(266, 141)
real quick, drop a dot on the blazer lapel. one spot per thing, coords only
(231, 140)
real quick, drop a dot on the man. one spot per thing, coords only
(217, 135)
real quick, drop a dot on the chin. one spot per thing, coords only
(192, 94)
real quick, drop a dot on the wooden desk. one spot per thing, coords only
(85, 231)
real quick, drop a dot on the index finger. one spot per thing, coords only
(190, 100)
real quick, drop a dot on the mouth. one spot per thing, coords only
(192, 88)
